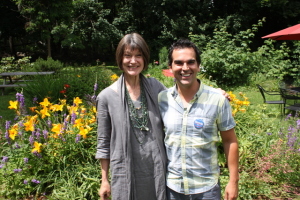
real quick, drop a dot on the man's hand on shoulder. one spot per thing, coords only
(224, 93)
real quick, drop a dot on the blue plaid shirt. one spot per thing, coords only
(192, 136)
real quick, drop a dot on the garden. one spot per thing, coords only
(48, 128)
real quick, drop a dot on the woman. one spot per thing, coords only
(130, 130)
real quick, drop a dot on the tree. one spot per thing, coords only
(11, 26)
(45, 16)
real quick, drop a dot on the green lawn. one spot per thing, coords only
(7, 114)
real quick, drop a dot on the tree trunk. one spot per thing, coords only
(49, 46)
(11, 46)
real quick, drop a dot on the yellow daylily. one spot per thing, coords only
(77, 101)
(94, 109)
(56, 129)
(45, 103)
(246, 103)
(78, 123)
(242, 110)
(44, 112)
(13, 132)
(63, 101)
(37, 147)
(92, 120)
(13, 105)
(29, 125)
(73, 109)
(84, 131)
(114, 77)
(56, 107)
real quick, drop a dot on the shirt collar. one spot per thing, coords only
(174, 91)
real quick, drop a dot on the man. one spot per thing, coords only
(193, 114)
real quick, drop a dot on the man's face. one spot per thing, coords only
(185, 67)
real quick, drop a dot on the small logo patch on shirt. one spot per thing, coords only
(198, 123)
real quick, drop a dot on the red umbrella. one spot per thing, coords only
(291, 33)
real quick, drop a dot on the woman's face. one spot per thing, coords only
(133, 62)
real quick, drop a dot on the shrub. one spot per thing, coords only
(229, 60)
(47, 65)
(68, 84)
(10, 64)
(163, 57)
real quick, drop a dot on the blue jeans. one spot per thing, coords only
(213, 194)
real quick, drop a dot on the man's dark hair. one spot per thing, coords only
(182, 44)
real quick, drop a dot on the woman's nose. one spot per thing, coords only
(133, 59)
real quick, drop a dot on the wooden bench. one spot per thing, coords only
(11, 83)
(10, 86)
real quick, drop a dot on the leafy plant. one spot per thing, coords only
(163, 57)
(68, 84)
(47, 65)
(49, 150)
(9, 64)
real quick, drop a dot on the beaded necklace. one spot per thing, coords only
(138, 121)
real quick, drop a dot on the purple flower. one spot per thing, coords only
(2, 165)
(20, 124)
(45, 133)
(35, 181)
(78, 137)
(5, 159)
(20, 99)
(7, 124)
(25, 182)
(49, 123)
(95, 86)
(25, 160)
(34, 100)
(62, 138)
(0, 117)
(17, 170)
(31, 139)
(37, 154)
(17, 146)
(73, 118)
(269, 133)
(7, 136)
(288, 117)
(38, 134)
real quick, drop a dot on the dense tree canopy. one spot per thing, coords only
(86, 30)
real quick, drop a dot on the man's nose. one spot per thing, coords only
(185, 66)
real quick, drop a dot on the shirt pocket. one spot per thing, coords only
(203, 128)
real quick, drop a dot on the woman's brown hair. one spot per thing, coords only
(133, 41)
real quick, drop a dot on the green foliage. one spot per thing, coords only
(228, 58)
(230, 61)
(9, 64)
(275, 62)
(47, 65)
(163, 57)
(69, 83)
(90, 28)
(156, 72)
(50, 151)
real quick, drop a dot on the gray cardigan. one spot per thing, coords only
(113, 141)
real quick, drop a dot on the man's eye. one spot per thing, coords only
(191, 62)
(178, 63)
